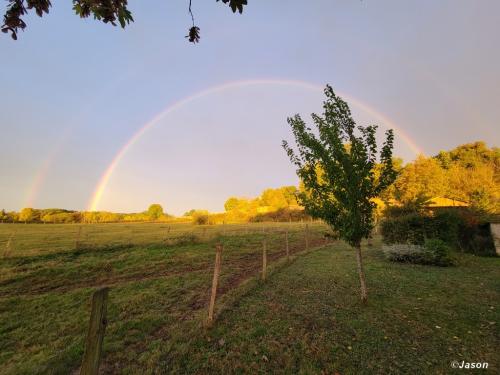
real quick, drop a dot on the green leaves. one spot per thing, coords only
(235, 5)
(12, 21)
(107, 11)
(336, 164)
(124, 17)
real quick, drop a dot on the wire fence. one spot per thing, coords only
(264, 255)
(232, 254)
(19, 240)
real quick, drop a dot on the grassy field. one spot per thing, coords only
(28, 239)
(305, 319)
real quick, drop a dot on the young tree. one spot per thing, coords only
(336, 166)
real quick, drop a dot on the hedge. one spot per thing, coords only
(459, 230)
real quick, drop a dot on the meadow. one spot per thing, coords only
(306, 318)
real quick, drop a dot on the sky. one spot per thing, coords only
(94, 116)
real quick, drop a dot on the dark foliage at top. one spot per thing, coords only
(107, 11)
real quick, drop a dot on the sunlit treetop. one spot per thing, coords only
(107, 11)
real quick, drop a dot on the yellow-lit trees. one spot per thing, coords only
(422, 179)
(27, 214)
(155, 211)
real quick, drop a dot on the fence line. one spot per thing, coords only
(98, 317)
(89, 237)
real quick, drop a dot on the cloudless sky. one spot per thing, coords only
(75, 91)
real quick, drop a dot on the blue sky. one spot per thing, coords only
(75, 91)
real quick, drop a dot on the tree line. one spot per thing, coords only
(468, 174)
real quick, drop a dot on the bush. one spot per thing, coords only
(408, 229)
(437, 253)
(281, 215)
(460, 230)
(200, 219)
(445, 225)
(477, 239)
(434, 252)
(404, 253)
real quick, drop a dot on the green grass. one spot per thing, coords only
(37, 239)
(306, 318)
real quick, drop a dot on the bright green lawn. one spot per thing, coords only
(308, 319)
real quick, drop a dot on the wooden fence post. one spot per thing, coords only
(307, 236)
(287, 247)
(215, 282)
(95, 335)
(264, 260)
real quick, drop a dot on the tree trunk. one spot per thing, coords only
(361, 272)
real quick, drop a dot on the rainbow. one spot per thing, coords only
(103, 181)
(41, 174)
(37, 182)
(43, 171)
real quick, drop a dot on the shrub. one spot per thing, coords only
(408, 229)
(200, 218)
(416, 228)
(445, 225)
(477, 239)
(437, 252)
(434, 252)
(404, 253)
(281, 215)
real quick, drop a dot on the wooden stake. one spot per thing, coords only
(215, 282)
(287, 247)
(264, 260)
(95, 335)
